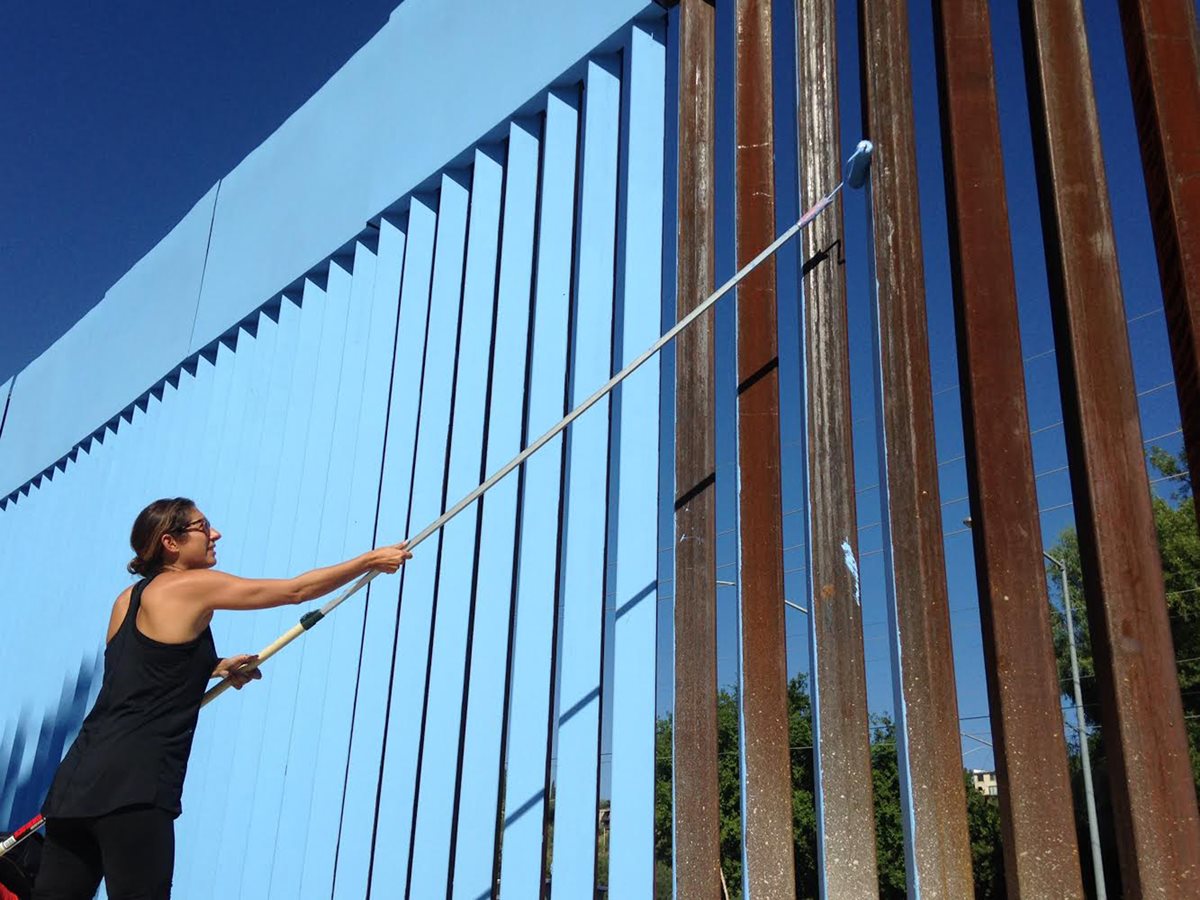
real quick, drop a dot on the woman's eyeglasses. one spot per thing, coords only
(201, 525)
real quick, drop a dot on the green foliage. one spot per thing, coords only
(1179, 548)
(663, 801)
(987, 855)
(983, 815)
(889, 834)
(729, 791)
(804, 807)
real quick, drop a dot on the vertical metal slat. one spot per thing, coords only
(1158, 832)
(937, 847)
(694, 766)
(1041, 854)
(766, 792)
(845, 817)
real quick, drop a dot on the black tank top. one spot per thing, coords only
(133, 747)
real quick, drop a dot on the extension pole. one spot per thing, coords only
(857, 169)
(856, 173)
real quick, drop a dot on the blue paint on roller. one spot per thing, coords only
(858, 166)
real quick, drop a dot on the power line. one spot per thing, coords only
(1154, 311)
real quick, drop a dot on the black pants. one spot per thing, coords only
(133, 849)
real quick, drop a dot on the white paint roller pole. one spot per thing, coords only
(857, 170)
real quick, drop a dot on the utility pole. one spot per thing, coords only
(1081, 728)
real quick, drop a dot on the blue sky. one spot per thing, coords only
(122, 115)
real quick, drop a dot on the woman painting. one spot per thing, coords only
(111, 809)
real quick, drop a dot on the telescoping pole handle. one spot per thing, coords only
(21, 833)
(856, 174)
(857, 170)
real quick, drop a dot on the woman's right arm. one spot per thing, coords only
(220, 590)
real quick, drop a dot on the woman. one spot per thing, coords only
(112, 806)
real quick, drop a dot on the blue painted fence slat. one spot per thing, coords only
(366, 372)
(267, 478)
(329, 487)
(478, 800)
(631, 861)
(444, 702)
(373, 642)
(272, 700)
(528, 746)
(410, 666)
(578, 704)
(360, 823)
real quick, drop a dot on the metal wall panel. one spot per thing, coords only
(328, 442)
(243, 521)
(410, 665)
(357, 844)
(381, 508)
(301, 498)
(475, 860)
(295, 467)
(282, 333)
(360, 143)
(338, 160)
(527, 745)
(441, 716)
(581, 618)
(631, 860)
(347, 531)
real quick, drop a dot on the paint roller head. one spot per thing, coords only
(858, 166)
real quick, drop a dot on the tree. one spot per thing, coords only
(889, 828)
(729, 792)
(983, 815)
(983, 823)
(1179, 549)
(987, 854)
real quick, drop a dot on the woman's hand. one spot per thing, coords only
(239, 669)
(389, 559)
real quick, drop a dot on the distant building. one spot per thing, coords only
(985, 782)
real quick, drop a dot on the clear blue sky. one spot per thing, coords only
(121, 115)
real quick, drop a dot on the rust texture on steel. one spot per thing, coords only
(1041, 853)
(938, 852)
(767, 788)
(1158, 834)
(1161, 49)
(846, 811)
(696, 813)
